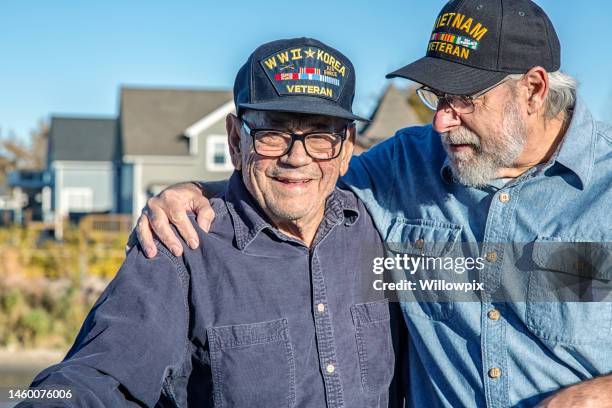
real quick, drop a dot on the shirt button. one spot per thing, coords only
(321, 307)
(493, 314)
(495, 372)
(491, 256)
(419, 243)
(330, 368)
(504, 197)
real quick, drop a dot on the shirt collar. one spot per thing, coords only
(575, 151)
(577, 148)
(249, 220)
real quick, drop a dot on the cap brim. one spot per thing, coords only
(308, 105)
(448, 77)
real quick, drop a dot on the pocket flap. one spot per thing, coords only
(589, 259)
(248, 334)
(364, 313)
(422, 237)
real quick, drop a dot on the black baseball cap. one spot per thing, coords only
(476, 43)
(300, 75)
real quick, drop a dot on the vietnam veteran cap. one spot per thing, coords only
(476, 43)
(300, 75)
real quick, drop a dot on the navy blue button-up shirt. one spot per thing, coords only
(252, 318)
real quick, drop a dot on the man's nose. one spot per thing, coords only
(297, 156)
(445, 118)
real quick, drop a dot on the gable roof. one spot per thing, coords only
(153, 121)
(82, 139)
(394, 111)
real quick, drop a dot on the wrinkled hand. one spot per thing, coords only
(595, 393)
(171, 206)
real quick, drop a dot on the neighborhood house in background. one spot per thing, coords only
(161, 137)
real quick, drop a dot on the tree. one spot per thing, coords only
(16, 154)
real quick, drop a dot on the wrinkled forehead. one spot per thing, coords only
(289, 120)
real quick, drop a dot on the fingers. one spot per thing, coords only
(161, 227)
(145, 236)
(171, 207)
(204, 212)
(180, 219)
(175, 202)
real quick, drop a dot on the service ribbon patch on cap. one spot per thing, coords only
(306, 70)
(443, 41)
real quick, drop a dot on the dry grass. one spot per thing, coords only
(47, 289)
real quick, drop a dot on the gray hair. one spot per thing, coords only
(561, 93)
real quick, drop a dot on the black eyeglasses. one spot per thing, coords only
(277, 143)
(463, 104)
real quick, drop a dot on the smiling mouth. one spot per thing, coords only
(292, 182)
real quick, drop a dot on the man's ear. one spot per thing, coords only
(347, 149)
(233, 126)
(536, 82)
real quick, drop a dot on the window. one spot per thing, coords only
(77, 199)
(217, 154)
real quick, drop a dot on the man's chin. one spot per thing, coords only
(465, 156)
(289, 213)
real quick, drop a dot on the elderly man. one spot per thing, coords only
(516, 172)
(277, 307)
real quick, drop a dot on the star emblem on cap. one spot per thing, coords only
(309, 53)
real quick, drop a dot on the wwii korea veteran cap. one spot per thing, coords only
(300, 75)
(476, 43)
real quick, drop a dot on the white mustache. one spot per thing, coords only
(461, 136)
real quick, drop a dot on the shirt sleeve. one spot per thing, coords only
(371, 176)
(133, 338)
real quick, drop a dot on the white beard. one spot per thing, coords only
(478, 166)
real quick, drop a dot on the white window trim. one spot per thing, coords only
(196, 129)
(211, 141)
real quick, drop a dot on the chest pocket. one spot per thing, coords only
(424, 244)
(252, 365)
(569, 295)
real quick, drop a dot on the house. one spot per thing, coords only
(82, 165)
(397, 108)
(163, 136)
(169, 136)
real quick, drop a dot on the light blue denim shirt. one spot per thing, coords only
(487, 352)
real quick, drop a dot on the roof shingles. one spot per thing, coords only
(393, 112)
(82, 139)
(152, 121)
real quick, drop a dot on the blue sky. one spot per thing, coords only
(72, 57)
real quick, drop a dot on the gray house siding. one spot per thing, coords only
(83, 187)
(82, 159)
(150, 175)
